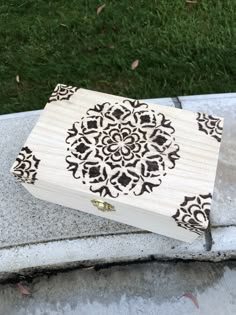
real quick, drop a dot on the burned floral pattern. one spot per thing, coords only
(121, 148)
(210, 125)
(26, 166)
(62, 92)
(193, 213)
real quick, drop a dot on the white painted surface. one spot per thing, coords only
(116, 248)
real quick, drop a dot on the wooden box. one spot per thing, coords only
(145, 165)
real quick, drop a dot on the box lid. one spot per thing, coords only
(162, 159)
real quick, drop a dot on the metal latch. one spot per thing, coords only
(102, 205)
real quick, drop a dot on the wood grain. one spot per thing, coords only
(156, 165)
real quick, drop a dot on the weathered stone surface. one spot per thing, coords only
(224, 204)
(24, 219)
(150, 288)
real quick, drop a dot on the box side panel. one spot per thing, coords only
(161, 159)
(137, 217)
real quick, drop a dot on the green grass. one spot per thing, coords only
(183, 48)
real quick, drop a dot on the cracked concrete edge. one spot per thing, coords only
(177, 102)
(113, 249)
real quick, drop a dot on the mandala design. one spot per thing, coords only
(210, 125)
(193, 213)
(121, 148)
(25, 166)
(62, 92)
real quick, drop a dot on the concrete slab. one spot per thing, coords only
(150, 288)
(35, 221)
(114, 248)
(224, 200)
(21, 114)
(60, 236)
(207, 97)
(166, 101)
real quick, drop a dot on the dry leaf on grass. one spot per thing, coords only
(191, 1)
(99, 9)
(18, 78)
(23, 290)
(135, 64)
(192, 297)
(115, 28)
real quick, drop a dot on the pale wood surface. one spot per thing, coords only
(193, 174)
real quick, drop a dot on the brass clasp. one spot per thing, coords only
(102, 205)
